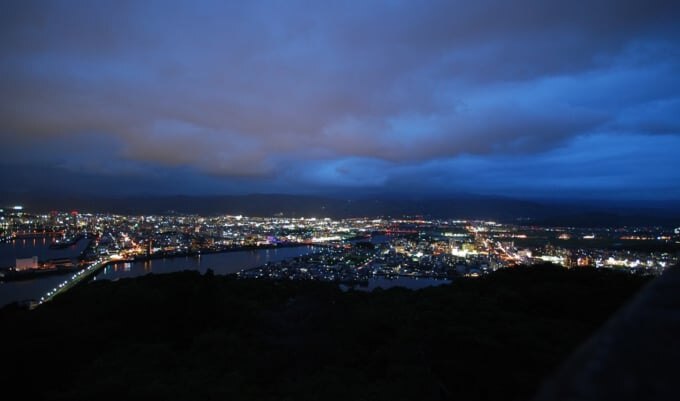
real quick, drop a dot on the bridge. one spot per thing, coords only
(80, 276)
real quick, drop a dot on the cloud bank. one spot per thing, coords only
(295, 95)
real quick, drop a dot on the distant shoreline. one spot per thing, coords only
(37, 273)
(32, 274)
(11, 275)
(226, 250)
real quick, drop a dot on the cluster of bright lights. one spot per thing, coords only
(74, 279)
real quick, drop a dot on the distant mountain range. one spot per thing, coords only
(573, 213)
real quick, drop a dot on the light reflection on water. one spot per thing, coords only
(40, 247)
(220, 263)
(12, 291)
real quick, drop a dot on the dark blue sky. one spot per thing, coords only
(529, 98)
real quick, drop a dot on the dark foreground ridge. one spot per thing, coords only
(633, 357)
(186, 336)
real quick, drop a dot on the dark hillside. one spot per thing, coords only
(190, 337)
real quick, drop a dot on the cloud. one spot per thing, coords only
(260, 89)
(589, 167)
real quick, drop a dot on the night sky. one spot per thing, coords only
(527, 98)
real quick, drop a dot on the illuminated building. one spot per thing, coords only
(26, 263)
(584, 261)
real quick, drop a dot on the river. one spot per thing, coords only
(40, 247)
(220, 263)
(12, 291)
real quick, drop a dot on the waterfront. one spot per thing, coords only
(357, 250)
(23, 290)
(37, 246)
(219, 263)
(34, 288)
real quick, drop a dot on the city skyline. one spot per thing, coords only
(532, 99)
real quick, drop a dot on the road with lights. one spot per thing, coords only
(74, 280)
